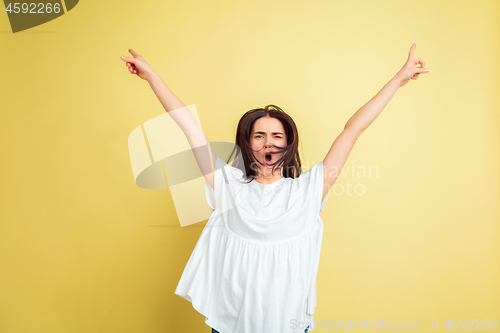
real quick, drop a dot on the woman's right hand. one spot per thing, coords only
(137, 65)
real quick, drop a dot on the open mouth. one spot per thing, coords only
(269, 159)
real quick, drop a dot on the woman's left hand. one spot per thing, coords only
(410, 69)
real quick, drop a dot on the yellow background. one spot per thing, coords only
(84, 249)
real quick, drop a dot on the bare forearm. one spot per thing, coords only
(165, 95)
(362, 118)
(180, 113)
(182, 116)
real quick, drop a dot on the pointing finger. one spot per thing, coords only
(135, 54)
(410, 56)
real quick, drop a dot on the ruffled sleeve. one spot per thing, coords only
(225, 177)
(313, 181)
(209, 192)
(320, 170)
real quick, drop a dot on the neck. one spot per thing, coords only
(265, 176)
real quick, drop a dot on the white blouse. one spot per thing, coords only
(255, 264)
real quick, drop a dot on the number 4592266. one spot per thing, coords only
(485, 325)
(45, 8)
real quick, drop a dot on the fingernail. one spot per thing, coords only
(426, 69)
(122, 57)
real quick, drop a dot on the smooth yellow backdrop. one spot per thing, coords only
(84, 249)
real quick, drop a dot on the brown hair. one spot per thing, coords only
(290, 161)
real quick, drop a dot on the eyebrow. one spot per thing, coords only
(260, 132)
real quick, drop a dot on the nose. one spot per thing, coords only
(268, 143)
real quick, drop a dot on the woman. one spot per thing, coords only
(255, 265)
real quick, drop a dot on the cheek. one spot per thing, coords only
(254, 145)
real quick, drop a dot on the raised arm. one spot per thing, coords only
(202, 150)
(361, 119)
